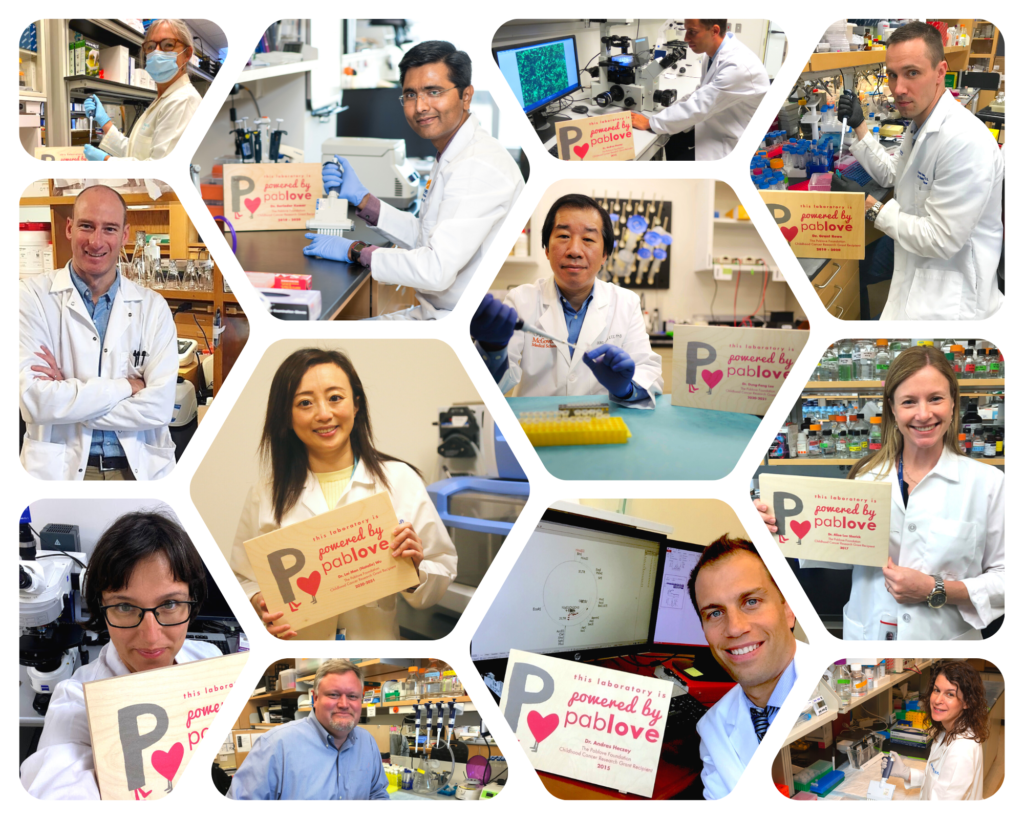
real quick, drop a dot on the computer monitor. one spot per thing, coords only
(375, 112)
(676, 621)
(583, 588)
(540, 73)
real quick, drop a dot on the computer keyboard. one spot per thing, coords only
(219, 640)
(683, 714)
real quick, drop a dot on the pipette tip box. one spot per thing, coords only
(558, 429)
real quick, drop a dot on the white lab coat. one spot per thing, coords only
(62, 766)
(954, 772)
(727, 738)
(954, 528)
(377, 620)
(945, 216)
(721, 107)
(159, 128)
(61, 415)
(543, 367)
(472, 188)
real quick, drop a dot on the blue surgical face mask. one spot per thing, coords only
(162, 65)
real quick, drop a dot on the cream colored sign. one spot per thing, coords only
(271, 197)
(319, 568)
(73, 154)
(734, 369)
(829, 519)
(596, 139)
(146, 726)
(586, 722)
(819, 225)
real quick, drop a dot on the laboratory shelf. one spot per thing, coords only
(102, 29)
(371, 668)
(851, 461)
(419, 701)
(891, 681)
(269, 71)
(290, 694)
(721, 220)
(83, 86)
(877, 385)
(832, 60)
(802, 729)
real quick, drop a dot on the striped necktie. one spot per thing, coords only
(761, 718)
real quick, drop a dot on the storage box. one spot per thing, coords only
(115, 63)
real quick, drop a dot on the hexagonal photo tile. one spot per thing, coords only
(126, 335)
(631, 645)
(639, 329)
(127, 649)
(93, 89)
(411, 712)
(346, 521)
(340, 199)
(892, 729)
(884, 489)
(639, 89)
(860, 170)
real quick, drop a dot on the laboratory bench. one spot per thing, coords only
(347, 291)
(666, 443)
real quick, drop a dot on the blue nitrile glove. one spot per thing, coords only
(328, 247)
(840, 184)
(94, 154)
(94, 108)
(351, 188)
(493, 324)
(614, 372)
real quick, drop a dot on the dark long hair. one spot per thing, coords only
(281, 451)
(973, 720)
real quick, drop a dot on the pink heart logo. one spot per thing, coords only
(790, 233)
(800, 527)
(581, 150)
(712, 378)
(166, 763)
(541, 727)
(252, 204)
(309, 584)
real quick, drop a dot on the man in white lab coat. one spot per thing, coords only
(602, 346)
(945, 216)
(98, 359)
(473, 185)
(732, 82)
(749, 628)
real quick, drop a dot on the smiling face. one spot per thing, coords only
(150, 645)
(923, 408)
(439, 118)
(702, 40)
(323, 413)
(946, 702)
(747, 624)
(97, 231)
(339, 703)
(575, 249)
(914, 82)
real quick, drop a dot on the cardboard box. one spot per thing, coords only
(115, 63)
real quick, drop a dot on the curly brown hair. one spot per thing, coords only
(973, 720)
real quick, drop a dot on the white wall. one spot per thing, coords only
(406, 382)
(691, 291)
(93, 516)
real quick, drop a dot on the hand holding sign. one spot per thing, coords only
(282, 631)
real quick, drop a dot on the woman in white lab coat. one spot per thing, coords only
(318, 454)
(945, 577)
(168, 47)
(143, 561)
(958, 709)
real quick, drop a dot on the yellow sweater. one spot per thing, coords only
(334, 484)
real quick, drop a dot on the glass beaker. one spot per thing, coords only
(191, 278)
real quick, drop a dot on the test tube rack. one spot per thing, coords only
(559, 428)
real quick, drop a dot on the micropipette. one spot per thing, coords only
(889, 761)
(529, 328)
(842, 137)
(90, 129)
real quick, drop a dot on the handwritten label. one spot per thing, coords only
(596, 139)
(819, 225)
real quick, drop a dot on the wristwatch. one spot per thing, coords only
(354, 250)
(937, 596)
(872, 213)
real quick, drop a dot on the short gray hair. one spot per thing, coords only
(181, 32)
(335, 666)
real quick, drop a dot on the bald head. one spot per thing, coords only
(94, 194)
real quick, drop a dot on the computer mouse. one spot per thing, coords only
(580, 109)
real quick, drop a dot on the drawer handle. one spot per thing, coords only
(826, 284)
(836, 296)
(841, 311)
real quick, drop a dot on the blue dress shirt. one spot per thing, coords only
(497, 361)
(300, 760)
(778, 696)
(104, 442)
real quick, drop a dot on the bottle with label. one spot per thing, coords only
(882, 360)
(842, 678)
(896, 346)
(831, 363)
(971, 422)
(978, 447)
(990, 444)
(861, 425)
(779, 448)
(875, 434)
(858, 683)
(999, 442)
(957, 359)
(962, 439)
(841, 436)
(969, 363)
(801, 444)
(814, 441)
(866, 364)
(994, 364)
(845, 364)
(828, 445)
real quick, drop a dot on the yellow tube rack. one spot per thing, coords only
(595, 430)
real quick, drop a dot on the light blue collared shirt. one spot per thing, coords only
(300, 760)
(104, 442)
(778, 697)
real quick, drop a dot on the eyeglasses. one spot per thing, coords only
(164, 45)
(171, 613)
(410, 97)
